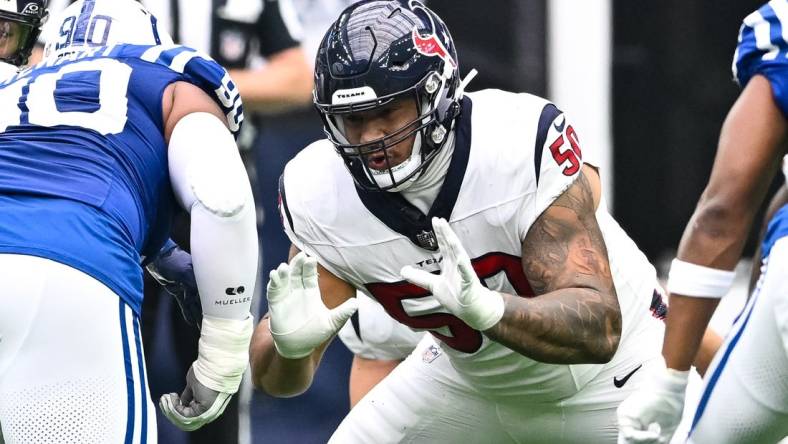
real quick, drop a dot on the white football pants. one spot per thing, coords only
(425, 400)
(745, 394)
(71, 365)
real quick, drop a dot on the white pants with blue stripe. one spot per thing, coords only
(745, 397)
(71, 365)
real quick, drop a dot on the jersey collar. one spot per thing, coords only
(403, 217)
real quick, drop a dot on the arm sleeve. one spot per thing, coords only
(278, 27)
(210, 181)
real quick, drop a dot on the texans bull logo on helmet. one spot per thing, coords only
(430, 45)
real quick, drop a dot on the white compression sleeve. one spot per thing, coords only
(210, 181)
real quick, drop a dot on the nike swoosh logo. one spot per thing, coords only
(620, 382)
(560, 128)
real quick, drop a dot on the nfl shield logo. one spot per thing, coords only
(426, 239)
(232, 45)
(431, 353)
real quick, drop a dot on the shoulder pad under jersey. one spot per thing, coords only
(198, 69)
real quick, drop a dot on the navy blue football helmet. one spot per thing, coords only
(20, 25)
(376, 52)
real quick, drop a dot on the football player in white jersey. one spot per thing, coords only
(745, 398)
(475, 216)
(100, 141)
(378, 343)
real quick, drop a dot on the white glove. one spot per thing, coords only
(223, 355)
(300, 321)
(458, 288)
(652, 413)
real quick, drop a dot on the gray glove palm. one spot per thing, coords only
(196, 406)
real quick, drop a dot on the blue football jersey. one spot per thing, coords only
(763, 49)
(83, 160)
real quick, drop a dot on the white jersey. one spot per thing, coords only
(372, 334)
(514, 154)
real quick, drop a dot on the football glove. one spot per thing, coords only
(653, 412)
(300, 321)
(196, 406)
(223, 355)
(172, 269)
(457, 287)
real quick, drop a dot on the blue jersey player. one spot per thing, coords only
(745, 398)
(99, 143)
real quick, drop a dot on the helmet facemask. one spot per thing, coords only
(19, 32)
(377, 52)
(428, 130)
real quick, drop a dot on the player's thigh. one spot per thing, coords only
(71, 367)
(422, 401)
(745, 396)
(589, 416)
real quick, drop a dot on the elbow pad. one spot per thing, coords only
(205, 167)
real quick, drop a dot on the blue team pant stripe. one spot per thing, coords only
(129, 374)
(143, 396)
(704, 400)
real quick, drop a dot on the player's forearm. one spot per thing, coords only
(275, 375)
(685, 326)
(285, 82)
(717, 232)
(714, 238)
(568, 326)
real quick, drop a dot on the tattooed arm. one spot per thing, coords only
(575, 317)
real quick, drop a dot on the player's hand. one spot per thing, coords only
(196, 406)
(222, 358)
(300, 321)
(652, 413)
(457, 287)
(173, 270)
